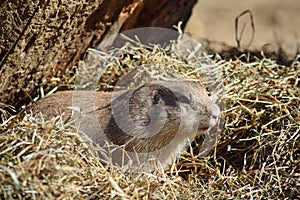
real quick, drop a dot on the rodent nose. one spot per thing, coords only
(214, 115)
(215, 111)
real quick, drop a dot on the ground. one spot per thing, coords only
(276, 22)
(257, 155)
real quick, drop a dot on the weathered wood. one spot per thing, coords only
(40, 39)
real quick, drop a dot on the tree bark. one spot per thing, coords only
(40, 39)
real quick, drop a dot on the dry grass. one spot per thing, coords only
(256, 156)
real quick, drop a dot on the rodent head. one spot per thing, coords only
(148, 118)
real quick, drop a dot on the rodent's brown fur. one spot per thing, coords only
(98, 123)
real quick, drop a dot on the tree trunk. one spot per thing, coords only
(40, 39)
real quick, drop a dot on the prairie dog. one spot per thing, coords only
(144, 128)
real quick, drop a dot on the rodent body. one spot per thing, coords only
(144, 128)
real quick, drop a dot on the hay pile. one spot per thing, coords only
(256, 156)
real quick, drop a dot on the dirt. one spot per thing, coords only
(276, 23)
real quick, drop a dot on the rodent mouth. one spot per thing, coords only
(203, 129)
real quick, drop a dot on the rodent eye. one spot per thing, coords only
(183, 99)
(156, 99)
